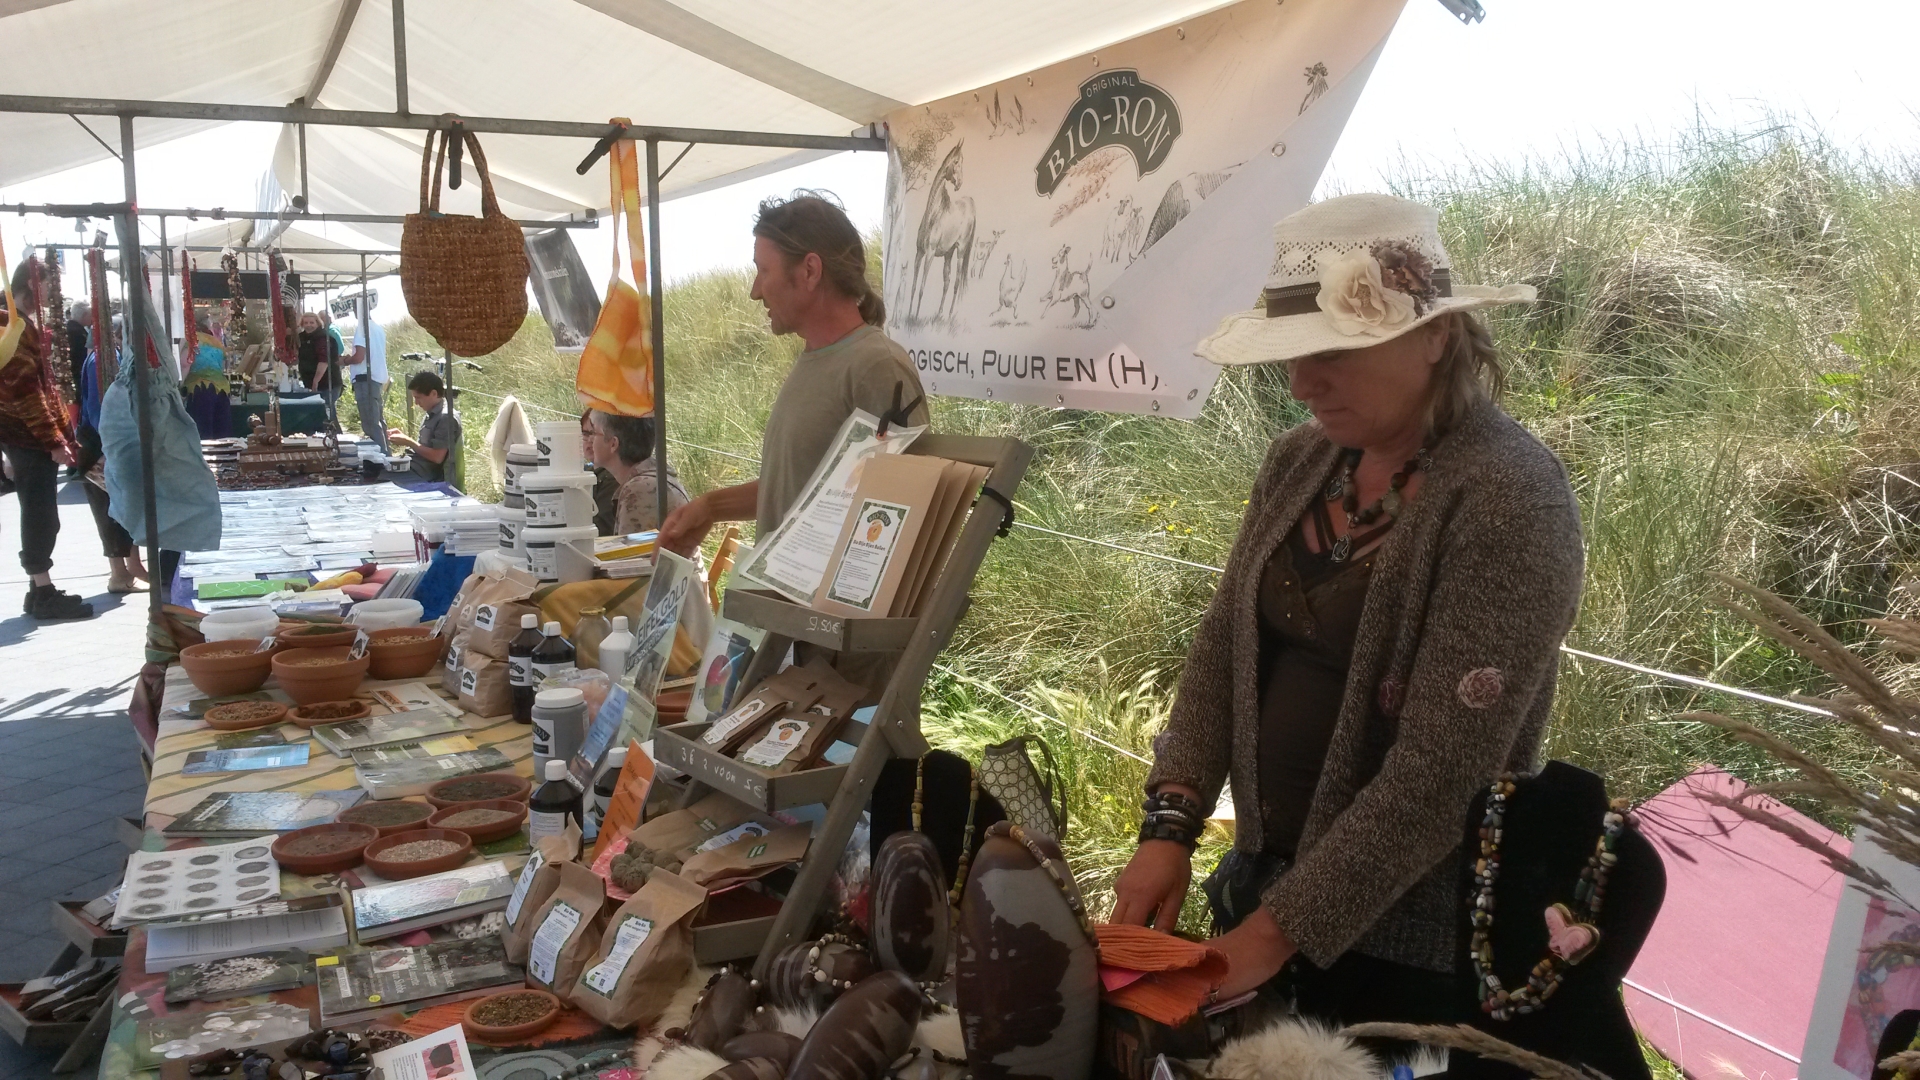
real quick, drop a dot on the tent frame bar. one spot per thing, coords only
(589, 220)
(306, 114)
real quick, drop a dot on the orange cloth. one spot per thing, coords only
(1179, 974)
(615, 374)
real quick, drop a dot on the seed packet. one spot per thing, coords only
(643, 956)
(537, 880)
(747, 857)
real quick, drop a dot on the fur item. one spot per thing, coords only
(795, 1022)
(1294, 1050)
(650, 1046)
(509, 427)
(941, 1032)
(682, 1062)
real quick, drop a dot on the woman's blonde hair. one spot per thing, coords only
(1468, 371)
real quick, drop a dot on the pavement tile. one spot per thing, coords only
(21, 813)
(56, 881)
(29, 958)
(23, 914)
(54, 848)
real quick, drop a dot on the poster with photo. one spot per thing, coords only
(1869, 975)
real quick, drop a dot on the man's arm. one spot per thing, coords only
(687, 526)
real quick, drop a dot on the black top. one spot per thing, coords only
(1309, 613)
(316, 346)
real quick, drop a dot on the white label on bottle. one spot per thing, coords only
(553, 933)
(731, 722)
(541, 823)
(626, 941)
(484, 616)
(534, 862)
(542, 740)
(779, 741)
(548, 671)
(520, 670)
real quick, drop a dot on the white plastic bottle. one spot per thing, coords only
(615, 648)
(601, 796)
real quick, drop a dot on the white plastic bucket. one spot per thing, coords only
(386, 614)
(522, 458)
(512, 540)
(541, 541)
(254, 621)
(559, 442)
(554, 497)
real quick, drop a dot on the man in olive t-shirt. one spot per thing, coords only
(810, 273)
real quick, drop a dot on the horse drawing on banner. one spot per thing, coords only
(1071, 287)
(946, 234)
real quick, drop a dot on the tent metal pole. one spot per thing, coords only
(305, 199)
(94, 210)
(400, 57)
(657, 292)
(481, 125)
(136, 340)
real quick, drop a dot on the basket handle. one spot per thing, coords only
(430, 174)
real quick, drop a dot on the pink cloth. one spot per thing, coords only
(1741, 937)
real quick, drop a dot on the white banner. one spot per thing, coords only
(1065, 237)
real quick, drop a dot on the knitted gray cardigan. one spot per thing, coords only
(1450, 684)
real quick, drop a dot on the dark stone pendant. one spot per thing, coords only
(1336, 487)
(1342, 548)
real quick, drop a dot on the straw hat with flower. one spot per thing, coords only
(1350, 272)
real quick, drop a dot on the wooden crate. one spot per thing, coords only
(679, 747)
(37, 1034)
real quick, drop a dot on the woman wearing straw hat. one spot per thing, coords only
(1383, 642)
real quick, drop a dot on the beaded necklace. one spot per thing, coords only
(1346, 490)
(1572, 935)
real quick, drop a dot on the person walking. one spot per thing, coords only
(369, 367)
(36, 443)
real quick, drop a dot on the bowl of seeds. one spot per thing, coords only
(484, 787)
(484, 821)
(324, 849)
(227, 667)
(404, 652)
(310, 676)
(244, 715)
(418, 852)
(389, 816)
(511, 1015)
(330, 712)
(317, 635)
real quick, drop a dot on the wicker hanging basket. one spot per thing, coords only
(465, 278)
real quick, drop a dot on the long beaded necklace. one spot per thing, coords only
(1572, 935)
(1344, 489)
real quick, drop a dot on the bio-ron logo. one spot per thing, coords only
(1115, 108)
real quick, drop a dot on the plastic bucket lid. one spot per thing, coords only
(524, 453)
(536, 535)
(555, 480)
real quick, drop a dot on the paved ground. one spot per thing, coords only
(69, 762)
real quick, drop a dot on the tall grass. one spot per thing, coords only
(1724, 359)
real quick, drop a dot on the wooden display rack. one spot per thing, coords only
(894, 730)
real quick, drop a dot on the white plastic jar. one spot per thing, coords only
(541, 540)
(555, 497)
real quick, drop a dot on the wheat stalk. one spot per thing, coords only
(1906, 1061)
(1475, 1041)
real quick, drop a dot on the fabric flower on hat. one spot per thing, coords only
(1404, 269)
(1358, 302)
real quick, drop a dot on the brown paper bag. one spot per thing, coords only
(879, 544)
(778, 695)
(566, 927)
(537, 880)
(799, 738)
(644, 954)
(450, 664)
(491, 609)
(748, 857)
(679, 835)
(485, 689)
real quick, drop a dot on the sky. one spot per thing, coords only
(1537, 80)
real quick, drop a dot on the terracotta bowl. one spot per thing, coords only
(303, 714)
(308, 684)
(317, 636)
(245, 715)
(520, 786)
(484, 833)
(241, 673)
(331, 862)
(388, 816)
(510, 1033)
(417, 867)
(405, 661)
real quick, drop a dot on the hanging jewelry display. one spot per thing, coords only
(59, 354)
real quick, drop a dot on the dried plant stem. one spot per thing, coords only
(1475, 1041)
(1906, 1061)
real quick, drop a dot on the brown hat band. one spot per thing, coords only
(1302, 299)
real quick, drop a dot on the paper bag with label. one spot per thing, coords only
(779, 694)
(565, 928)
(492, 609)
(958, 485)
(748, 857)
(716, 820)
(875, 551)
(644, 954)
(450, 664)
(537, 880)
(485, 689)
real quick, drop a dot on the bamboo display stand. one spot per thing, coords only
(895, 728)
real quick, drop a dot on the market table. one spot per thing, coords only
(139, 995)
(298, 415)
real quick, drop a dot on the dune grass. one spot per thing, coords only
(1724, 359)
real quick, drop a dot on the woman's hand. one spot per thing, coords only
(1256, 950)
(1150, 890)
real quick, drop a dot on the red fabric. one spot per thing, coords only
(281, 350)
(1741, 937)
(106, 366)
(1180, 975)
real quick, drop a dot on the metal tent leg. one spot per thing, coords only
(658, 294)
(136, 341)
